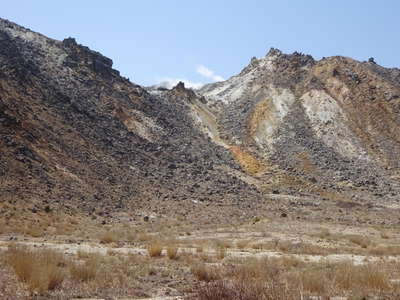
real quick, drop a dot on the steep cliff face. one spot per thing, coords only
(76, 134)
(332, 123)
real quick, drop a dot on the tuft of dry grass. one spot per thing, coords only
(108, 237)
(34, 231)
(228, 290)
(40, 270)
(172, 252)
(219, 243)
(221, 252)
(300, 248)
(154, 249)
(204, 273)
(362, 241)
(314, 281)
(384, 235)
(242, 244)
(324, 233)
(143, 237)
(199, 249)
(87, 270)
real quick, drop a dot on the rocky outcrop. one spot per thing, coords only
(78, 54)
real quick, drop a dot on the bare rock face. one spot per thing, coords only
(74, 134)
(332, 124)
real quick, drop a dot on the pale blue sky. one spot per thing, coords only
(150, 40)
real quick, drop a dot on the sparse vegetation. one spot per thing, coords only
(221, 252)
(40, 270)
(204, 272)
(108, 237)
(154, 249)
(241, 244)
(362, 241)
(276, 279)
(324, 233)
(172, 252)
(86, 270)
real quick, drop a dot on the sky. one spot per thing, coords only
(201, 41)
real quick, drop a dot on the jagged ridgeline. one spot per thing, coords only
(76, 134)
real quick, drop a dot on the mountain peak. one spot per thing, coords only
(273, 52)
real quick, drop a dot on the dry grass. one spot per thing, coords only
(219, 243)
(143, 237)
(369, 276)
(229, 290)
(155, 249)
(112, 236)
(87, 270)
(324, 233)
(40, 270)
(245, 280)
(313, 281)
(172, 252)
(221, 252)
(205, 273)
(301, 248)
(385, 250)
(242, 244)
(199, 249)
(362, 241)
(34, 231)
(288, 278)
(108, 237)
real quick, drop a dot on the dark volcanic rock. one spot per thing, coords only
(72, 131)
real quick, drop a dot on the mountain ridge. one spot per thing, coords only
(77, 136)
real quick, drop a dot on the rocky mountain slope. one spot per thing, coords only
(318, 125)
(73, 133)
(76, 136)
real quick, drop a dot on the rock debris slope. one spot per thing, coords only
(320, 125)
(76, 135)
